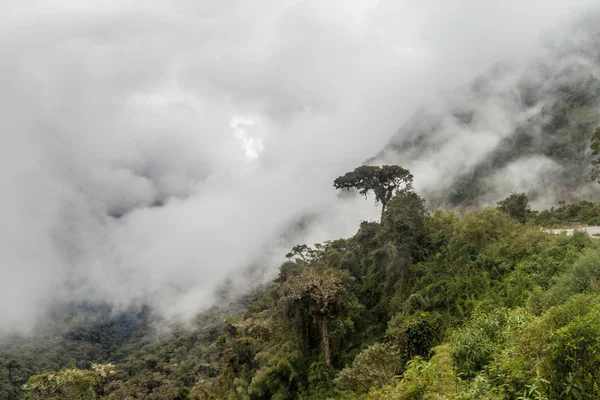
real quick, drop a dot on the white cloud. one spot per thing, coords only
(252, 144)
(128, 108)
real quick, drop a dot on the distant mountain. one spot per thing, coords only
(522, 128)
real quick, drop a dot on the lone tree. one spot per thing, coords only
(384, 182)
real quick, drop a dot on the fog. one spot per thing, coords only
(152, 150)
(522, 126)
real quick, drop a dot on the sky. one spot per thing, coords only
(152, 150)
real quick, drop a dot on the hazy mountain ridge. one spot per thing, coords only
(516, 128)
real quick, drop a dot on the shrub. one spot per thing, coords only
(417, 334)
(376, 365)
(432, 380)
(473, 345)
(582, 276)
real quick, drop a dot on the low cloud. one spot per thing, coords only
(152, 150)
(504, 132)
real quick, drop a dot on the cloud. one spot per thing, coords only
(153, 149)
(476, 144)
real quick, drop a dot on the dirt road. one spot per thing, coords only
(592, 230)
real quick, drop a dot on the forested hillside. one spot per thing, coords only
(453, 293)
(421, 305)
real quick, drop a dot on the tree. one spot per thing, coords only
(104, 372)
(323, 293)
(595, 146)
(384, 182)
(516, 206)
(405, 221)
(70, 383)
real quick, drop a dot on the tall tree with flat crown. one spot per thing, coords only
(384, 181)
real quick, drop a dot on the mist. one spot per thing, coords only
(153, 150)
(504, 131)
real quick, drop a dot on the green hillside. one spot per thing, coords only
(423, 306)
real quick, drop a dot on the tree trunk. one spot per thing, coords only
(326, 340)
(382, 212)
(306, 332)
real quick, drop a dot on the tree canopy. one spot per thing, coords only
(323, 293)
(516, 205)
(384, 181)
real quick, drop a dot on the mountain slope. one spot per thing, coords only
(519, 128)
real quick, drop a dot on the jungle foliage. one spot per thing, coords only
(424, 305)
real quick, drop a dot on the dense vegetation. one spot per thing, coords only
(422, 305)
(576, 214)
